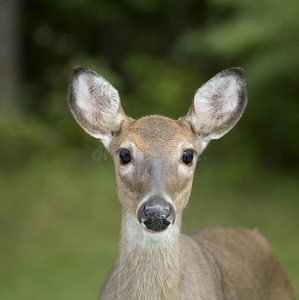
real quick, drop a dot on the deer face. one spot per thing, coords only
(155, 157)
(155, 161)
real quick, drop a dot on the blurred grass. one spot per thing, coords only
(60, 218)
(59, 224)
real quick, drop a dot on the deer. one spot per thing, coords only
(155, 159)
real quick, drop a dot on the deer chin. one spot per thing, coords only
(146, 230)
(156, 237)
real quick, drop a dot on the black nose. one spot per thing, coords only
(156, 214)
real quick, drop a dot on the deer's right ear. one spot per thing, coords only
(95, 104)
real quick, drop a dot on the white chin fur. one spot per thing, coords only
(138, 235)
(156, 236)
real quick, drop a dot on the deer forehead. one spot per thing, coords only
(156, 135)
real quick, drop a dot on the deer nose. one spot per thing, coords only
(156, 214)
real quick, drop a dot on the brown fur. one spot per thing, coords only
(215, 263)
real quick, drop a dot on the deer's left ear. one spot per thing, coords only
(218, 104)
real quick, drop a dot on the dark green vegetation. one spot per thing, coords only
(59, 215)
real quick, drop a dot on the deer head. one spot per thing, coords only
(155, 156)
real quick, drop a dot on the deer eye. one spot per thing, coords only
(125, 156)
(187, 157)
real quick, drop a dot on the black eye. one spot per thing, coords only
(187, 157)
(125, 156)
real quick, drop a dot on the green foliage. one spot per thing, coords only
(162, 88)
(261, 37)
(21, 137)
(157, 53)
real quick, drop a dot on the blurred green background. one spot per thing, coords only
(59, 214)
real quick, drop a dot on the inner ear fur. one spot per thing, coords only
(95, 104)
(218, 104)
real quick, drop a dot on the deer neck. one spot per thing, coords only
(149, 265)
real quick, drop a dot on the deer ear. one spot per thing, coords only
(95, 104)
(218, 104)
